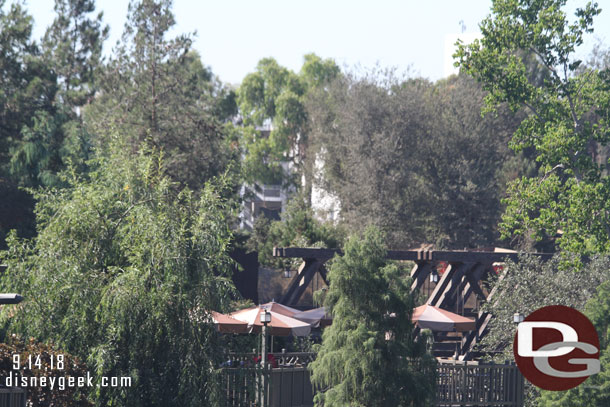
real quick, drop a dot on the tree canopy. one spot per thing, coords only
(369, 355)
(274, 96)
(414, 158)
(567, 120)
(595, 391)
(156, 91)
(122, 274)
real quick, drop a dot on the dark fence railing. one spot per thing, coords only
(246, 386)
(281, 359)
(12, 397)
(479, 385)
(289, 384)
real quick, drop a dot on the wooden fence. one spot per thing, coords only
(12, 397)
(457, 385)
(479, 385)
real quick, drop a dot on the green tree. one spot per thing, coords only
(413, 158)
(274, 95)
(72, 48)
(63, 68)
(29, 142)
(298, 227)
(466, 165)
(369, 356)
(567, 119)
(122, 274)
(595, 391)
(156, 91)
(528, 285)
(48, 356)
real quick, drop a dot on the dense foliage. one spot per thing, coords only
(594, 392)
(567, 121)
(369, 356)
(298, 228)
(132, 163)
(274, 96)
(121, 274)
(528, 285)
(156, 91)
(39, 360)
(414, 158)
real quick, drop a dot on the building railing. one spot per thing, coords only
(289, 384)
(12, 397)
(281, 359)
(479, 385)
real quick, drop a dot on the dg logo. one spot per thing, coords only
(556, 348)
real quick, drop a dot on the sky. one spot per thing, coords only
(233, 35)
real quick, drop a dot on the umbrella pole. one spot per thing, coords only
(264, 347)
(271, 344)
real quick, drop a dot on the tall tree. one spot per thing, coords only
(465, 164)
(566, 125)
(29, 153)
(156, 91)
(72, 48)
(413, 158)
(369, 356)
(275, 96)
(122, 274)
(594, 392)
(53, 136)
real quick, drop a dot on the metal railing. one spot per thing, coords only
(479, 385)
(12, 397)
(247, 384)
(282, 359)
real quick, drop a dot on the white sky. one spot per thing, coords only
(233, 35)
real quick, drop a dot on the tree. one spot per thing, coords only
(29, 353)
(29, 144)
(528, 285)
(61, 76)
(156, 91)
(594, 392)
(369, 356)
(413, 158)
(122, 274)
(274, 95)
(466, 165)
(72, 48)
(298, 227)
(567, 120)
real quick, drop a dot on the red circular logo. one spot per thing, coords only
(556, 348)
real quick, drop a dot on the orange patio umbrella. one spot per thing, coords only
(437, 319)
(280, 325)
(227, 324)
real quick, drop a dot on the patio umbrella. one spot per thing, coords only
(437, 319)
(226, 324)
(316, 317)
(279, 308)
(280, 325)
